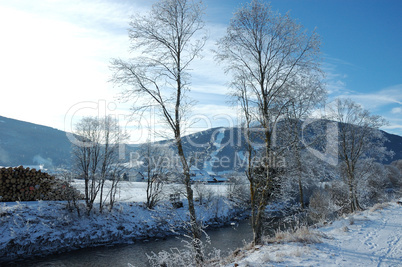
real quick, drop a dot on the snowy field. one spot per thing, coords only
(136, 191)
(45, 227)
(369, 238)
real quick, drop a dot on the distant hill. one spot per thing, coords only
(228, 146)
(394, 144)
(23, 143)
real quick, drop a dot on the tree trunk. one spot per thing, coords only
(354, 203)
(257, 225)
(299, 170)
(194, 226)
(86, 190)
(101, 196)
(301, 193)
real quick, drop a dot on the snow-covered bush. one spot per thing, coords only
(238, 190)
(378, 183)
(203, 192)
(338, 192)
(322, 206)
(394, 172)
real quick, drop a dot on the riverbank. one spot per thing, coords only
(369, 238)
(45, 227)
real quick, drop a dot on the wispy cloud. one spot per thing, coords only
(396, 111)
(387, 96)
(335, 79)
(386, 102)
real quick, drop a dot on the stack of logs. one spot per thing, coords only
(25, 184)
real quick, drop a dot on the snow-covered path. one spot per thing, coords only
(374, 239)
(369, 238)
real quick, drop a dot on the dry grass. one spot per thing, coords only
(285, 253)
(301, 234)
(236, 255)
(379, 206)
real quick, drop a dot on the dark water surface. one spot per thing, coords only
(225, 239)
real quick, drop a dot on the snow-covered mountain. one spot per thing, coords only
(224, 149)
(213, 150)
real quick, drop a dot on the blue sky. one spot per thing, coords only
(55, 57)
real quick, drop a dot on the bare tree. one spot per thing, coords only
(359, 138)
(96, 156)
(310, 96)
(113, 137)
(156, 164)
(167, 40)
(271, 54)
(85, 154)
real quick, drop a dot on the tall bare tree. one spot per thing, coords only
(359, 138)
(167, 38)
(271, 54)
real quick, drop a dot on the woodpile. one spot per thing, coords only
(25, 184)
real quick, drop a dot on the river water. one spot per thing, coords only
(226, 239)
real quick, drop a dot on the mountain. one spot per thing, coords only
(395, 144)
(24, 143)
(217, 149)
(223, 149)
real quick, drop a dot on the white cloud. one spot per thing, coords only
(56, 54)
(379, 99)
(335, 79)
(396, 111)
(49, 64)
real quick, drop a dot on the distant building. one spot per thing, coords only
(198, 175)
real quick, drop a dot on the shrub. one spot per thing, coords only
(379, 206)
(301, 234)
(321, 206)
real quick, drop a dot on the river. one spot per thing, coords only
(226, 239)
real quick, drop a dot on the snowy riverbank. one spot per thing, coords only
(41, 228)
(368, 238)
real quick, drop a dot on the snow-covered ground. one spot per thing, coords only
(44, 227)
(136, 191)
(369, 238)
